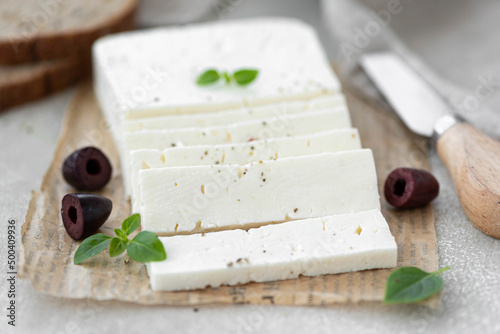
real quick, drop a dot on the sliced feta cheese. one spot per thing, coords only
(234, 115)
(239, 153)
(153, 72)
(275, 127)
(208, 198)
(310, 247)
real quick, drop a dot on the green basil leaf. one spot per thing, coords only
(131, 224)
(146, 247)
(410, 284)
(245, 76)
(117, 246)
(208, 77)
(91, 246)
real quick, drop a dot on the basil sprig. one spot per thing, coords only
(144, 247)
(410, 285)
(242, 77)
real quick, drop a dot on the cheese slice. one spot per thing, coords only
(209, 198)
(275, 127)
(317, 246)
(234, 115)
(239, 153)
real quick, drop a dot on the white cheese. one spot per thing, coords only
(234, 115)
(239, 153)
(310, 247)
(283, 126)
(207, 198)
(275, 127)
(153, 72)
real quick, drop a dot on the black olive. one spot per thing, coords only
(87, 169)
(409, 188)
(84, 214)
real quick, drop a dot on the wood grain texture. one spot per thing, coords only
(25, 83)
(66, 29)
(473, 160)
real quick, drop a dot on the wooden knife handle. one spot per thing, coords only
(473, 160)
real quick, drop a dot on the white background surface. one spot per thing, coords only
(471, 296)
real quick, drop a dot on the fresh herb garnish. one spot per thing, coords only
(410, 285)
(144, 247)
(245, 76)
(92, 246)
(242, 77)
(208, 77)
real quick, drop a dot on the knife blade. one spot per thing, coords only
(471, 157)
(418, 105)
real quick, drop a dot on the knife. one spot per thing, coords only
(471, 157)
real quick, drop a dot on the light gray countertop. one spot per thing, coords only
(471, 295)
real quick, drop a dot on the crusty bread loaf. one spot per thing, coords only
(52, 29)
(29, 82)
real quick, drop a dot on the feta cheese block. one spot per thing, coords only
(234, 115)
(282, 126)
(309, 247)
(239, 153)
(153, 72)
(209, 198)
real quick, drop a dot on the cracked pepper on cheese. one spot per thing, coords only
(310, 247)
(201, 198)
(239, 153)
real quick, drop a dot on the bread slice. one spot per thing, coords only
(52, 29)
(29, 82)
